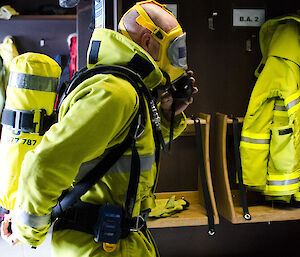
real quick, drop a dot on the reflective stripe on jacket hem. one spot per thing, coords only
(282, 184)
(31, 220)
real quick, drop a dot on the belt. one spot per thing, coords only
(83, 216)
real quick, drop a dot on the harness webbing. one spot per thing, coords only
(106, 163)
(98, 172)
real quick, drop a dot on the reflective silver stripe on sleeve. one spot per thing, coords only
(122, 165)
(279, 108)
(31, 220)
(255, 141)
(283, 182)
(293, 103)
(32, 82)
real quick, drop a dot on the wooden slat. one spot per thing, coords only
(229, 121)
(205, 138)
(222, 189)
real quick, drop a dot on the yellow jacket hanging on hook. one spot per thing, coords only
(8, 51)
(270, 140)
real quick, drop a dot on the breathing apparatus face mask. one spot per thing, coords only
(172, 52)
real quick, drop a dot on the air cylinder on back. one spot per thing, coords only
(30, 98)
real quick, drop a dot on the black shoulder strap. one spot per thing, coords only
(132, 77)
(98, 172)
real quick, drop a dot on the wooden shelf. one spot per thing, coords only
(190, 128)
(44, 17)
(228, 200)
(195, 215)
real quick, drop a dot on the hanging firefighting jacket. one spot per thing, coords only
(2, 85)
(270, 139)
(8, 51)
(94, 117)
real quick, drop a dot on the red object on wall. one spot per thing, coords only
(73, 56)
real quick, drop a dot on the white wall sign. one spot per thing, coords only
(248, 17)
(99, 13)
(172, 8)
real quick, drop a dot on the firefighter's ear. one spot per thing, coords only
(150, 45)
(145, 41)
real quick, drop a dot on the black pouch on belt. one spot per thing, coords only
(108, 229)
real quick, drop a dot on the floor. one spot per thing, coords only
(26, 251)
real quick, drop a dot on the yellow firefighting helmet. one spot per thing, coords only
(172, 52)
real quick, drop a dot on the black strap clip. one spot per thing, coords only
(28, 121)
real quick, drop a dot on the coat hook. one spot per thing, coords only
(42, 42)
(249, 43)
(211, 20)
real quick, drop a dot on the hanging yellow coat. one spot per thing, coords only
(270, 139)
(8, 51)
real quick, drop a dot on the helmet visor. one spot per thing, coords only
(177, 52)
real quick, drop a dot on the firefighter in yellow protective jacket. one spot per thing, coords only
(95, 117)
(270, 139)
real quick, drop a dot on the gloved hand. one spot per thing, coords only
(168, 207)
(6, 231)
(180, 105)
